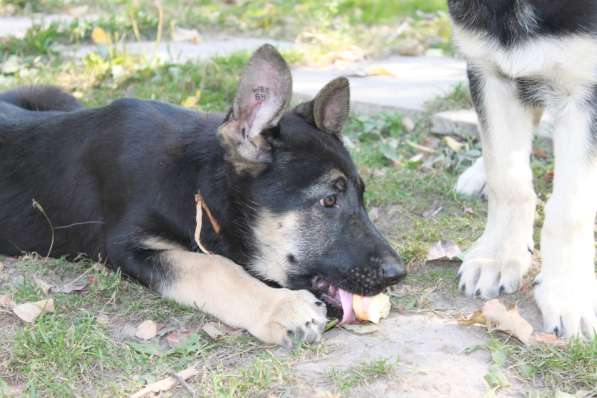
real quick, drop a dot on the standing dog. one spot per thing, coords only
(285, 199)
(525, 55)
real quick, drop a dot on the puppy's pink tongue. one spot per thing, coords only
(347, 311)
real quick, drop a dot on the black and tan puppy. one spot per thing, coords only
(119, 182)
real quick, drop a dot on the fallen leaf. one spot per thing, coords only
(100, 36)
(176, 338)
(408, 124)
(476, 318)
(548, 339)
(468, 210)
(44, 286)
(75, 285)
(167, 383)
(213, 330)
(444, 250)
(146, 330)
(6, 301)
(380, 71)
(433, 211)
(453, 144)
(192, 100)
(28, 312)
(361, 328)
(507, 320)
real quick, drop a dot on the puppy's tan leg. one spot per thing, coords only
(225, 290)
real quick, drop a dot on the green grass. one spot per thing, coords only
(362, 374)
(326, 31)
(457, 98)
(569, 369)
(59, 353)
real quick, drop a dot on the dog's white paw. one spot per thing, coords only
(489, 269)
(473, 180)
(295, 316)
(568, 303)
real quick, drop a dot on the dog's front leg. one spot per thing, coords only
(222, 288)
(567, 290)
(498, 260)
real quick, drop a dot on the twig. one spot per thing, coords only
(168, 383)
(37, 206)
(183, 383)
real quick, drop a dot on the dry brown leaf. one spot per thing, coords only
(548, 339)
(213, 330)
(75, 285)
(44, 286)
(176, 338)
(476, 318)
(453, 144)
(166, 384)
(6, 301)
(380, 71)
(28, 312)
(507, 320)
(100, 36)
(444, 250)
(146, 330)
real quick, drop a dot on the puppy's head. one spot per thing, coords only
(310, 228)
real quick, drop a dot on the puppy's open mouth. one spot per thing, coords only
(338, 301)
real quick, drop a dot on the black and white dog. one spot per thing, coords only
(524, 56)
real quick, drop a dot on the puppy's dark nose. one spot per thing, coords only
(393, 270)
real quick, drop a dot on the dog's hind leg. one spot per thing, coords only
(498, 260)
(566, 291)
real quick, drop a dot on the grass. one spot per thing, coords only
(326, 32)
(569, 369)
(362, 374)
(75, 352)
(457, 98)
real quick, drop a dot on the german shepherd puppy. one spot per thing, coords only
(524, 56)
(119, 182)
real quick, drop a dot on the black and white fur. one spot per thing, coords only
(524, 56)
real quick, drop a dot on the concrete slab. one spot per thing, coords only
(463, 122)
(18, 26)
(412, 81)
(182, 51)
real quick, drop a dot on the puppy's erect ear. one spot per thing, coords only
(330, 108)
(262, 96)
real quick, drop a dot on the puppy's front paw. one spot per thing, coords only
(568, 304)
(293, 317)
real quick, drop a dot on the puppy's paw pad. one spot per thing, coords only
(296, 317)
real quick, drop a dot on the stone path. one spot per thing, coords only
(398, 83)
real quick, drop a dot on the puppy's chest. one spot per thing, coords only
(566, 64)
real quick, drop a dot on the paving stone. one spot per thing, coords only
(413, 82)
(182, 51)
(463, 122)
(17, 26)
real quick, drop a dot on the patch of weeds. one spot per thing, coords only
(24, 291)
(362, 374)
(58, 354)
(568, 368)
(457, 98)
(264, 374)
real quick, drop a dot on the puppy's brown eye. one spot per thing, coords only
(328, 201)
